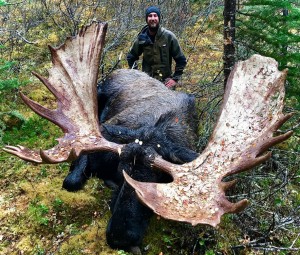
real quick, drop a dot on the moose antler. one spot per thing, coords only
(73, 81)
(250, 115)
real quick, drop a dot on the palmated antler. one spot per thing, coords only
(73, 81)
(250, 115)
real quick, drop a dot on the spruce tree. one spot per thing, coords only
(272, 28)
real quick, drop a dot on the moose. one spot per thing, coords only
(154, 130)
(138, 136)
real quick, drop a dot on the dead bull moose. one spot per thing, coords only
(144, 126)
(149, 123)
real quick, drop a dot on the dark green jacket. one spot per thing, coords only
(158, 55)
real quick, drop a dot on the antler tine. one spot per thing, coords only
(227, 185)
(244, 165)
(72, 80)
(54, 116)
(24, 153)
(235, 207)
(51, 88)
(250, 115)
(275, 140)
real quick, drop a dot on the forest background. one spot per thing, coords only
(38, 217)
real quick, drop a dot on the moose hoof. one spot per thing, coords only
(73, 183)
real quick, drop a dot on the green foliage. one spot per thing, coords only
(43, 172)
(33, 128)
(39, 251)
(121, 252)
(210, 252)
(271, 28)
(8, 80)
(2, 3)
(57, 204)
(168, 239)
(10, 119)
(39, 212)
(8, 83)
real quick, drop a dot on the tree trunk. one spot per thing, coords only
(284, 61)
(229, 37)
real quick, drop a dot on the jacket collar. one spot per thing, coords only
(158, 34)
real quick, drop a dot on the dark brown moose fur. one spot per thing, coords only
(136, 100)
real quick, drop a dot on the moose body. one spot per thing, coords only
(139, 111)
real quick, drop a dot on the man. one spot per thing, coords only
(158, 46)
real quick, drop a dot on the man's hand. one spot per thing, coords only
(170, 83)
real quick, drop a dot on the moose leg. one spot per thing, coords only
(79, 173)
(103, 165)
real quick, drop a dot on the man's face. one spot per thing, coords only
(152, 20)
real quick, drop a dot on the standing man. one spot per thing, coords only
(158, 46)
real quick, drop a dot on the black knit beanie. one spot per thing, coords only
(152, 9)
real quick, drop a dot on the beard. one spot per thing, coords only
(153, 27)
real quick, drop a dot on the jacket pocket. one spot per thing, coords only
(164, 59)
